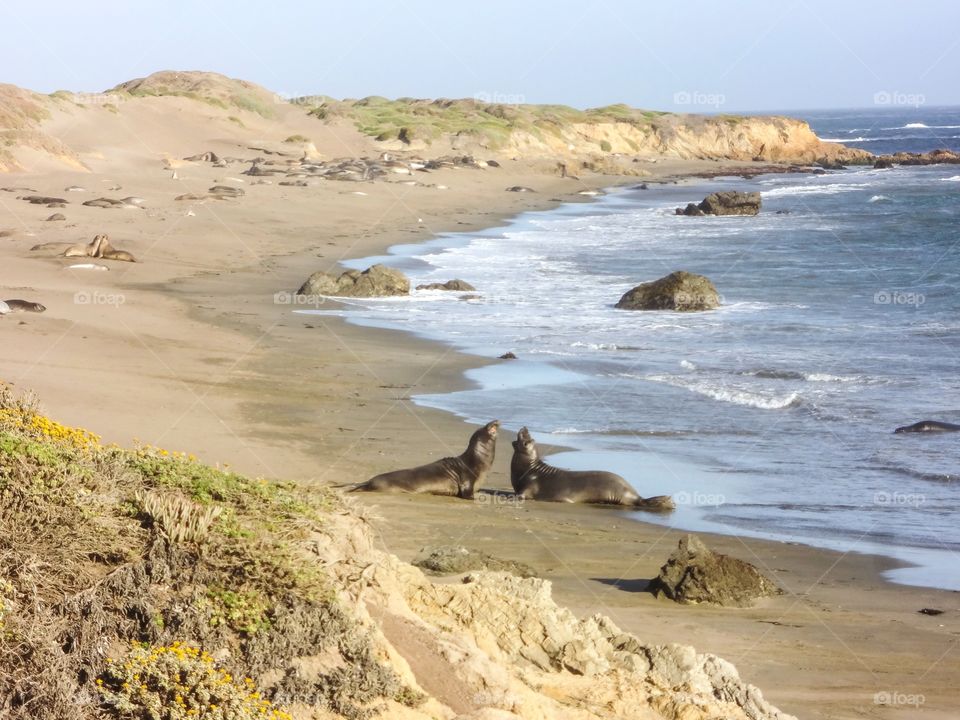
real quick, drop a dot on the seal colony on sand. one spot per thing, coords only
(532, 478)
(928, 426)
(456, 476)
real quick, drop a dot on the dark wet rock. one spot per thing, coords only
(692, 209)
(508, 356)
(56, 216)
(456, 559)
(934, 157)
(455, 285)
(731, 202)
(882, 164)
(696, 574)
(375, 281)
(681, 291)
(828, 164)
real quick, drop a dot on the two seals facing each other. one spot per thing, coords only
(530, 476)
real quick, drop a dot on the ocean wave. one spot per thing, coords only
(747, 398)
(620, 432)
(603, 346)
(913, 125)
(778, 374)
(955, 178)
(814, 189)
(879, 198)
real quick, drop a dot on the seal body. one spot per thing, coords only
(456, 476)
(24, 306)
(532, 478)
(927, 426)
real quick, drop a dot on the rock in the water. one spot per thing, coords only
(692, 209)
(882, 164)
(681, 291)
(456, 559)
(507, 356)
(458, 285)
(731, 202)
(375, 281)
(696, 574)
(56, 216)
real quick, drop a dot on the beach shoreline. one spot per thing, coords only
(221, 370)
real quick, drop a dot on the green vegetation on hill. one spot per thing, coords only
(410, 119)
(145, 584)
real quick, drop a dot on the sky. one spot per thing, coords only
(733, 56)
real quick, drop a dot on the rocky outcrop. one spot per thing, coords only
(456, 559)
(696, 574)
(456, 285)
(498, 646)
(934, 157)
(731, 202)
(375, 281)
(681, 291)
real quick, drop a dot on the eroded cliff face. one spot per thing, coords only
(771, 139)
(496, 646)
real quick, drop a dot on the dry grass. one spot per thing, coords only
(103, 550)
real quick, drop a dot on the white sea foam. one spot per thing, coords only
(737, 396)
(827, 378)
(914, 125)
(814, 189)
(879, 198)
(687, 365)
(955, 178)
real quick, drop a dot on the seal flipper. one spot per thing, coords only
(657, 503)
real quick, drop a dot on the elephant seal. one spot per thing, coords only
(532, 478)
(24, 306)
(455, 476)
(90, 249)
(928, 426)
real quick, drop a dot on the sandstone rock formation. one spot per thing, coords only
(456, 285)
(456, 559)
(498, 646)
(681, 291)
(725, 203)
(375, 281)
(934, 157)
(696, 574)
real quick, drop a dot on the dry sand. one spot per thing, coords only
(187, 350)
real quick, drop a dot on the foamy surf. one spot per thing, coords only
(736, 396)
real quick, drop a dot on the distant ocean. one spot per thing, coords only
(771, 417)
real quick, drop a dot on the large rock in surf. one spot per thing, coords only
(681, 291)
(456, 559)
(456, 285)
(375, 281)
(934, 157)
(731, 202)
(696, 574)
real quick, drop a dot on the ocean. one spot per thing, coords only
(771, 417)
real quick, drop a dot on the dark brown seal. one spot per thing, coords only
(24, 306)
(455, 476)
(532, 478)
(924, 426)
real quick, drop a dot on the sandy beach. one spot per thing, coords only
(188, 349)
